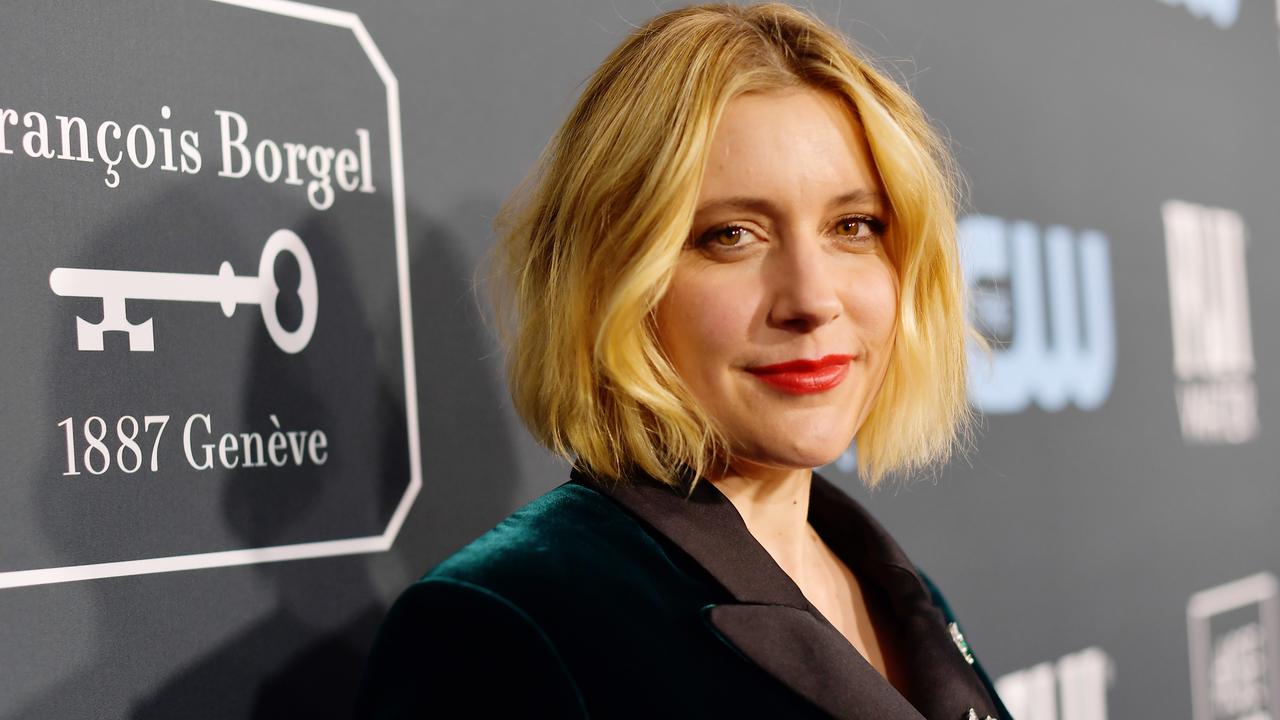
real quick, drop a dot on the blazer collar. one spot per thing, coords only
(772, 623)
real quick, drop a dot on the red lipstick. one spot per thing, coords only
(802, 377)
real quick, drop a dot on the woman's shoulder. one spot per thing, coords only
(488, 617)
(564, 535)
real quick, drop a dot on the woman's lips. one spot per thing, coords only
(801, 377)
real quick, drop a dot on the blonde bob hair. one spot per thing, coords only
(588, 245)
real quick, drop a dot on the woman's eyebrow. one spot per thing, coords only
(861, 196)
(760, 205)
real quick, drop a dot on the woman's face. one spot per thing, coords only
(781, 313)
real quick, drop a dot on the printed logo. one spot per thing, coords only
(1050, 322)
(1223, 13)
(1209, 306)
(114, 287)
(1073, 688)
(1234, 636)
(256, 163)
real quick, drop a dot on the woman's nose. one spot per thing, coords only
(804, 290)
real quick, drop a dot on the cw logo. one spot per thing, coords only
(1072, 688)
(1223, 13)
(1051, 323)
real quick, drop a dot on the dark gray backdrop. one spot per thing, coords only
(1061, 531)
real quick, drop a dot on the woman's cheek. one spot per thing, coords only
(705, 325)
(875, 301)
(727, 309)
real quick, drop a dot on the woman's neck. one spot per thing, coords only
(774, 503)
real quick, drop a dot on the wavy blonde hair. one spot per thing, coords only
(589, 242)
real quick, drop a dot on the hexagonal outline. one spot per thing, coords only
(322, 548)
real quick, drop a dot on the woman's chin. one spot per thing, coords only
(799, 453)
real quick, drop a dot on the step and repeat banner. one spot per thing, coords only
(251, 391)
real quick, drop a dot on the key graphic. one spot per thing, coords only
(115, 287)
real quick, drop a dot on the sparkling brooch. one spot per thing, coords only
(973, 714)
(958, 638)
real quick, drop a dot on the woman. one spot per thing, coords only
(737, 255)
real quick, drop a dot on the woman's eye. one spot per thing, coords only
(859, 228)
(727, 237)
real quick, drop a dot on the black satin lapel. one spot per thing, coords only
(940, 683)
(709, 529)
(811, 658)
(772, 623)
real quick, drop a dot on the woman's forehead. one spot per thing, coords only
(795, 145)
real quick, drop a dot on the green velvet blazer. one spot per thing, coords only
(598, 602)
